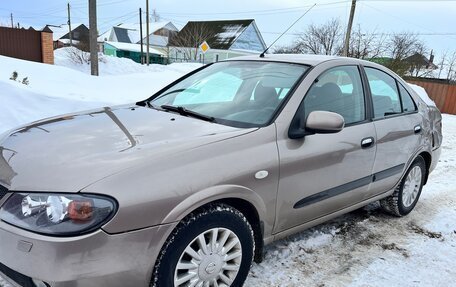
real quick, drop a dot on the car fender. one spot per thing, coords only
(216, 193)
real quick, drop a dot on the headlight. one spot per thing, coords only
(57, 214)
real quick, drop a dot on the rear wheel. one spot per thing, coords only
(406, 195)
(213, 247)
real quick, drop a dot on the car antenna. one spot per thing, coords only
(264, 52)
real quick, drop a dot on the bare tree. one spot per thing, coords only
(84, 42)
(451, 66)
(417, 64)
(323, 39)
(365, 45)
(442, 63)
(291, 49)
(402, 46)
(188, 40)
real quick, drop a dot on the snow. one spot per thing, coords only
(67, 87)
(363, 248)
(134, 47)
(422, 93)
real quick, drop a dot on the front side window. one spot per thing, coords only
(385, 95)
(338, 90)
(236, 93)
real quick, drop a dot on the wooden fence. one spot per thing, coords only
(444, 95)
(28, 45)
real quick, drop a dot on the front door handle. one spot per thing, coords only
(367, 142)
(417, 129)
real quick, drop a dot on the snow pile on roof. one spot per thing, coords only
(131, 33)
(55, 89)
(153, 27)
(60, 31)
(134, 48)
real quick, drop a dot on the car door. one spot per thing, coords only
(398, 128)
(324, 173)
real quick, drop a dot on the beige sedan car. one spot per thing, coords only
(185, 188)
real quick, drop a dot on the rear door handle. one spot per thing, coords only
(367, 142)
(417, 129)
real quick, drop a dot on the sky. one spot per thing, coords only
(433, 20)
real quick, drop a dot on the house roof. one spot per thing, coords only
(133, 47)
(62, 30)
(131, 33)
(122, 35)
(420, 60)
(153, 26)
(218, 34)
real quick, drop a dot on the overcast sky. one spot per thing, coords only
(435, 20)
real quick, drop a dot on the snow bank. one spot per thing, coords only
(63, 88)
(110, 65)
(20, 105)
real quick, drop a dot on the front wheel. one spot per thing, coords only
(212, 247)
(406, 195)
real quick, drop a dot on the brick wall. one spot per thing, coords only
(47, 48)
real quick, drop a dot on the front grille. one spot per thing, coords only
(17, 277)
(3, 191)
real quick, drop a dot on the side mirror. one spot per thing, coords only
(317, 122)
(323, 122)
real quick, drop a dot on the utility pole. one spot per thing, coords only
(12, 21)
(69, 25)
(93, 34)
(349, 28)
(141, 36)
(155, 15)
(147, 32)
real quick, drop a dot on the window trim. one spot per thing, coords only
(410, 96)
(402, 113)
(301, 108)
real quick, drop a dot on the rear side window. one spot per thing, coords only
(385, 95)
(338, 90)
(408, 105)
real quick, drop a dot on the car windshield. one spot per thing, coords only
(235, 93)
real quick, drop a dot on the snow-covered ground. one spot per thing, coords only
(67, 87)
(363, 248)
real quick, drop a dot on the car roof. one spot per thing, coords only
(311, 60)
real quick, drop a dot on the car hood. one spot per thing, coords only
(70, 152)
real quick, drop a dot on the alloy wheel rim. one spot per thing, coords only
(412, 186)
(212, 259)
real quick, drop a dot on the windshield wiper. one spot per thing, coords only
(188, 113)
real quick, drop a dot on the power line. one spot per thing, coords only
(375, 34)
(399, 18)
(273, 11)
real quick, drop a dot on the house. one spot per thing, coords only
(160, 32)
(133, 52)
(419, 65)
(226, 39)
(61, 35)
(416, 65)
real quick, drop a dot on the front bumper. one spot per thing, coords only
(97, 259)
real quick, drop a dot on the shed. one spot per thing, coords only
(133, 52)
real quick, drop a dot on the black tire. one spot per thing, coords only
(394, 204)
(212, 216)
